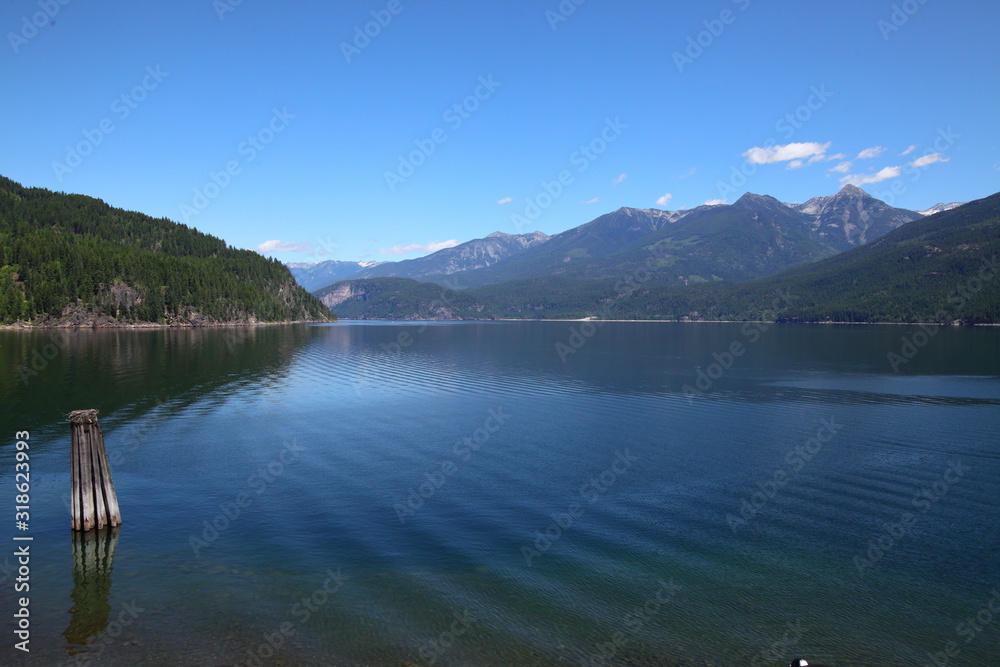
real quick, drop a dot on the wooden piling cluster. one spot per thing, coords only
(94, 503)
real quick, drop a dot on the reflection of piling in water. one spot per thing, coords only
(94, 503)
(93, 553)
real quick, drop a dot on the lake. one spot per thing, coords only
(513, 493)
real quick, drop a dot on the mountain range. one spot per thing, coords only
(75, 260)
(754, 237)
(470, 256)
(314, 275)
(938, 269)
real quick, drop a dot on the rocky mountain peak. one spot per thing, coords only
(854, 191)
(751, 200)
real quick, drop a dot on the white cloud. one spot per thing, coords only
(506, 200)
(591, 201)
(797, 164)
(618, 179)
(689, 172)
(283, 246)
(929, 159)
(842, 168)
(716, 202)
(883, 175)
(788, 152)
(909, 150)
(838, 156)
(425, 248)
(869, 153)
(664, 200)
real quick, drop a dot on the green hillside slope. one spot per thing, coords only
(74, 259)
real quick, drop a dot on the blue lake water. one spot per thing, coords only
(513, 493)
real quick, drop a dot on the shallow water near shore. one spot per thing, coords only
(475, 494)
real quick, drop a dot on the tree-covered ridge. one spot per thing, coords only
(943, 268)
(401, 298)
(75, 259)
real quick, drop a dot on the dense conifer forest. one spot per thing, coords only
(73, 259)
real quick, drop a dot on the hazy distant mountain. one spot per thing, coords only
(852, 217)
(603, 236)
(941, 208)
(754, 237)
(475, 254)
(313, 276)
(938, 269)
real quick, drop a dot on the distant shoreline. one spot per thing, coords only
(510, 319)
(217, 325)
(150, 325)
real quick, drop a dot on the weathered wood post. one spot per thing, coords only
(94, 503)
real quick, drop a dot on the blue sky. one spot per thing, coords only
(284, 127)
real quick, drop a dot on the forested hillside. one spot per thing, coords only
(74, 259)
